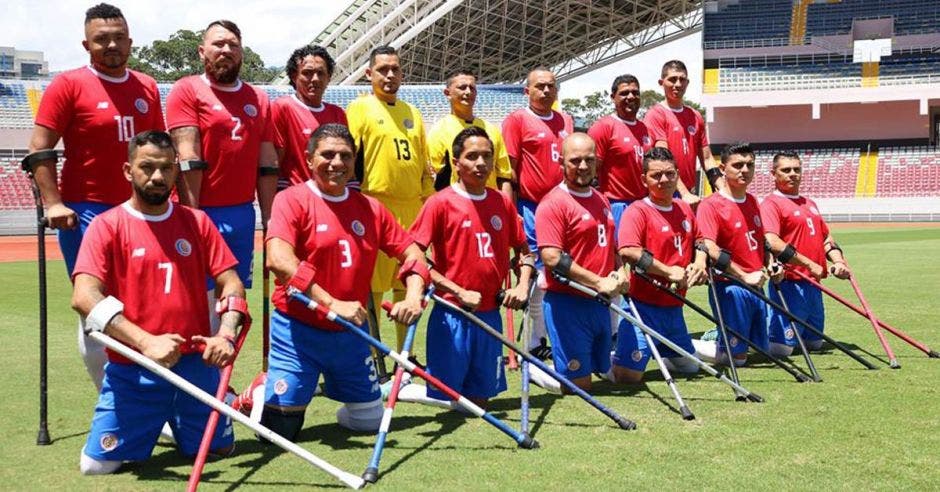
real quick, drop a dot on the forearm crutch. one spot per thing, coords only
(796, 333)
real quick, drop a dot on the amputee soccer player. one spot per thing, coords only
(575, 229)
(470, 229)
(798, 235)
(621, 142)
(533, 137)
(461, 92)
(296, 116)
(222, 129)
(323, 240)
(730, 227)
(140, 278)
(392, 163)
(656, 237)
(96, 110)
(681, 129)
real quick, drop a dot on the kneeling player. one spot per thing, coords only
(323, 240)
(575, 231)
(656, 237)
(139, 278)
(470, 229)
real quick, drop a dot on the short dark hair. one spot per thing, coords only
(456, 73)
(657, 154)
(785, 154)
(623, 79)
(309, 50)
(673, 65)
(330, 130)
(227, 25)
(737, 148)
(470, 131)
(384, 49)
(160, 139)
(103, 11)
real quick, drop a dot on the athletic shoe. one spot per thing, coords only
(244, 402)
(543, 351)
(386, 387)
(709, 336)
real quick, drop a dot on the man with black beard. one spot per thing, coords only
(221, 128)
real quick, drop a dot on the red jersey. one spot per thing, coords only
(796, 220)
(668, 233)
(620, 146)
(157, 266)
(734, 226)
(580, 224)
(684, 133)
(470, 236)
(97, 115)
(535, 143)
(294, 122)
(232, 121)
(340, 237)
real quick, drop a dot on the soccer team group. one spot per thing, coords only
(147, 209)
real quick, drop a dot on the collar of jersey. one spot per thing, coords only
(108, 78)
(543, 118)
(657, 207)
(625, 122)
(464, 122)
(467, 194)
(149, 218)
(330, 198)
(236, 88)
(733, 199)
(791, 197)
(302, 104)
(580, 194)
(670, 108)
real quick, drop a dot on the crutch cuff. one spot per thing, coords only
(32, 159)
(102, 314)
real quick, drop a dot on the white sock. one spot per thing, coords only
(215, 322)
(93, 355)
(541, 378)
(257, 403)
(91, 466)
(537, 331)
(705, 350)
(418, 393)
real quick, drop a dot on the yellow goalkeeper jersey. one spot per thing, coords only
(441, 141)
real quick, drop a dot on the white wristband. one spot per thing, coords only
(103, 313)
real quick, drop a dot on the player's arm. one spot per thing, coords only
(470, 299)
(415, 274)
(220, 349)
(787, 254)
(46, 176)
(267, 180)
(516, 297)
(290, 271)
(643, 261)
(723, 262)
(834, 254)
(104, 313)
(514, 180)
(559, 261)
(716, 179)
(188, 142)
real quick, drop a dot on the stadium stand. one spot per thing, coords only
(752, 23)
(910, 16)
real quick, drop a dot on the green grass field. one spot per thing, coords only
(858, 429)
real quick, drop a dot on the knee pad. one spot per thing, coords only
(286, 424)
(814, 344)
(680, 365)
(93, 355)
(780, 349)
(91, 466)
(361, 416)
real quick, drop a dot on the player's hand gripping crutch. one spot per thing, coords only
(522, 440)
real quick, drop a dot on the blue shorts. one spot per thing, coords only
(805, 301)
(463, 356)
(617, 208)
(744, 313)
(236, 223)
(70, 240)
(527, 211)
(300, 353)
(579, 329)
(134, 403)
(632, 350)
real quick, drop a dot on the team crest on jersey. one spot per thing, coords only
(813, 209)
(108, 441)
(733, 341)
(757, 220)
(691, 129)
(141, 105)
(647, 140)
(280, 387)
(788, 334)
(686, 226)
(574, 365)
(358, 228)
(183, 247)
(251, 110)
(637, 356)
(407, 123)
(496, 222)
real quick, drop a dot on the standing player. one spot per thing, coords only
(681, 129)
(296, 116)
(621, 142)
(470, 228)
(798, 235)
(323, 240)
(575, 230)
(461, 92)
(222, 129)
(95, 110)
(730, 227)
(533, 138)
(139, 278)
(392, 163)
(656, 237)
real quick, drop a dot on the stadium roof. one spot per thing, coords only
(502, 39)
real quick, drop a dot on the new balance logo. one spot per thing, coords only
(665, 228)
(138, 252)
(541, 135)
(103, 105)
(217, 107)
(466, 224)
(321, 227)
(586, 217)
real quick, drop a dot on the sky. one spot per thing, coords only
(272, 31)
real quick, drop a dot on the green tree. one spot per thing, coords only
(177, 57)
(593, 107)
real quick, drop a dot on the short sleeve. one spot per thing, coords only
(707, 221)
(632, 229)
(55, 108)
(550, 224)
(703, 129)
(426, 223)
(437, 151)
(267, 134)
(655, 124)
(95, 254)
(285, 217)
(600, 133)
(511, 135)
(501, 164)
(181, 106)
(770, 216)
(278, 122)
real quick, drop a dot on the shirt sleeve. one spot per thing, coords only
(511, 136)
(95, 254)
(703, 129)
(436, 149)
(218, 257)
(427, 176)
(550, 224)
(158, 123)
(181, 106)
(655, 123)
(516, 229)
(285, 219)
(278, 118)
(632, 230)
(770, 216)
(55, 108)
(267, 134)
(501, 164)
(425, 224)
(707, 221)
(600, 133)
